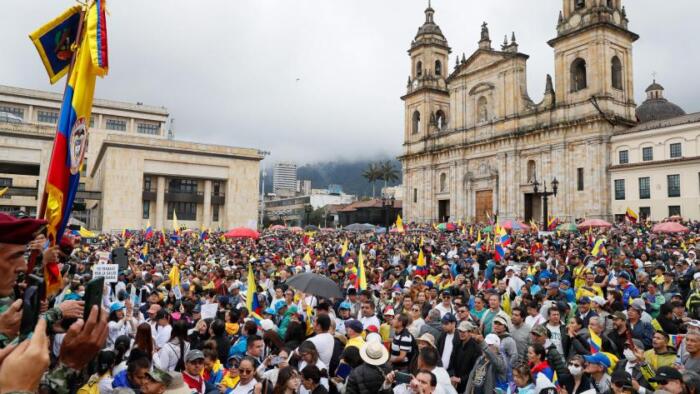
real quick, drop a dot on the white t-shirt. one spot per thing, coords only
(555, 337)
(445, 309)
(447, 350)
(370, 321)
(324, 344)
(533, 321)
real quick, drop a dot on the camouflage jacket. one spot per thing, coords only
(62, 380)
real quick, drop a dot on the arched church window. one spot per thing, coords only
(416, 122)
(531, 171)
(579, 4)
(443, 182)
(440, 120)
(616, 70)
(438, 68)
(419, 69)
(578, 75)
(482, 110)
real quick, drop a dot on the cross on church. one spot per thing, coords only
(653, 75)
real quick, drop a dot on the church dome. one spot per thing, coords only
(656, 107)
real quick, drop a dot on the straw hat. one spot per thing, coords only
(374, 353)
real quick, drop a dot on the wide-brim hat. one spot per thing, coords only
(374, 353)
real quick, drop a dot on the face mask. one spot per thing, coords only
(81, 294)
(629, 355)
(576, 371)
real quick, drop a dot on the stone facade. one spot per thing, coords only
(128, 178)
(474, 141)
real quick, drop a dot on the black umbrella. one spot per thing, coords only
(315, 284)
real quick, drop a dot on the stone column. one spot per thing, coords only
(160, 203)
(206, 212)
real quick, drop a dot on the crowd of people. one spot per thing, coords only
(422, 311)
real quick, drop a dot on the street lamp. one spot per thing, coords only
(545, 195)
(387, 204)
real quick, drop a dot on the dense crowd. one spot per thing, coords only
(422, 311)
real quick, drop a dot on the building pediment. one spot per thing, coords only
(482, 59)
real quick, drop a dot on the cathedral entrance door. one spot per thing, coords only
(443, 210)
(484, 205)
(533, 207)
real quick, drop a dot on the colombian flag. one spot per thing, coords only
(71, 135)
(149, 231)
(631, 215)
(251, 295)
(63, 175)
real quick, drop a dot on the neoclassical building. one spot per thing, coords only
(474, 140)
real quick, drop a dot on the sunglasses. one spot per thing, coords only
(245, 371)
(623, 385)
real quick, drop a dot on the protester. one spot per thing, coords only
(462, 324)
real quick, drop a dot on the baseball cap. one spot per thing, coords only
(584, 300)
(540, 331)
(566, 282)
(621, 377)
(492, 339)
(160, 376)
(624, 275)
(598, 300)
(618, 315)
(666, 373)
(501, 320)
(194, 355)
(354, 324)
(638, 304)
(448, 318)
(553, 285)
(466, 326)
(345, 305)
(599, 359)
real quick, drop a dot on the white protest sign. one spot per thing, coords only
(103, 257)
(209, 311)
(108, 271)
(177, 292)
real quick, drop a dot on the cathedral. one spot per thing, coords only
(476, 145)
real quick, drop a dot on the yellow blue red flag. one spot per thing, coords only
(63, 174)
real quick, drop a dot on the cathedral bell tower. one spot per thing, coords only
(426, 99)
(593, 56)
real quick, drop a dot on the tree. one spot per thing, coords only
(387, 172)
(372, 174)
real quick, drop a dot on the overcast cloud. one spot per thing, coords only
(227, 70)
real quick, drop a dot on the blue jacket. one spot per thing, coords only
(629, 292)
(122, 380)
(644, 332)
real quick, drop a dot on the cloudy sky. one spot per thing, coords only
(316, 80)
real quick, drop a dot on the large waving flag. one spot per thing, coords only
(631, 215)
(63, 175)
(552, 223)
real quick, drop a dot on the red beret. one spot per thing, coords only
(18, 231)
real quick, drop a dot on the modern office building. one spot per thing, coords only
(133, 174)
(284, 179)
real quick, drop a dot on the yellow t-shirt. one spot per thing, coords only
(357, 342)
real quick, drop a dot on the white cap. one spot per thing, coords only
(492, 339)
(510, 268)
(267, 324)
(598, 300)
(697, 275)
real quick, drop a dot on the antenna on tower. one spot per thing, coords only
(171, 130)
